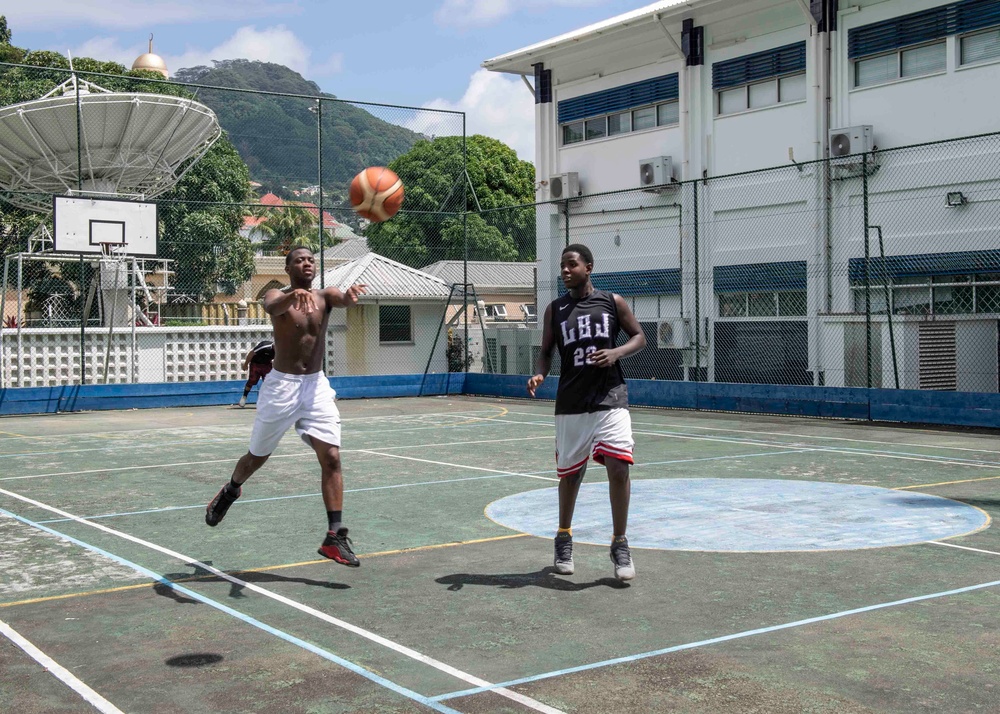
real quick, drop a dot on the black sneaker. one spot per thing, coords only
(337, 546)
(564, 554)
(621, 556)
(217, 508)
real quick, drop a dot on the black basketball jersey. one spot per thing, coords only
(263, 353)
(581, 327)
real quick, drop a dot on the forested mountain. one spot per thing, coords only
(277, 136)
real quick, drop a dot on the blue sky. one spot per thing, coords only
(411, 52)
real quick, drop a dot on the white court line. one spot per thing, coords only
(944, 460)
(344, 625)
(964, 547)
(299, 454)
(59, 672)
(244, 501)
(118, 445)
(798, 436)
(458, 466)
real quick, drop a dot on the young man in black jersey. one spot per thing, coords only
(592, 417)
(258, 365)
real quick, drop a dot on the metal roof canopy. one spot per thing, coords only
(486, 275)
(387, 280)
(633, 32)
(130, 143)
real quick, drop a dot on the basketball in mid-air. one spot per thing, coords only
(376, 193)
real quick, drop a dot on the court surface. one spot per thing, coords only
(783, 565)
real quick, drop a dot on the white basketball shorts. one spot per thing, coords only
(598, 434)
(305, 400)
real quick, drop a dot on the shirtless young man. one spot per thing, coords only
(297, 392)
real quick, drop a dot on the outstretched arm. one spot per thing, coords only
(545, 354)
(346, 298)
(277, 302)
(630, 326)
(246, 361)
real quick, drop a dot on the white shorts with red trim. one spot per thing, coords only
(305, 400)
(598, 434)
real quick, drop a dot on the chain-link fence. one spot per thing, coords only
(873, 270)
(237, 177)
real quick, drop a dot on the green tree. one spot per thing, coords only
(202, 239)
(289, 225)
(432, 173)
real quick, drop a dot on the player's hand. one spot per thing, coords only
(352, 293)
(534, 383)
(303, 300)
(603, 358)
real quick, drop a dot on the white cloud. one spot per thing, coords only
(275, 44)
(480, 13)
(133, 14)
(495, 106)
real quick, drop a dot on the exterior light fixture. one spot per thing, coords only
(954, 199)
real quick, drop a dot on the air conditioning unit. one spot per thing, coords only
(656, 171)
(852, 140)
(673, 334)
(565, 185)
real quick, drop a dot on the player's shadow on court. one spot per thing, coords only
(544, 578)
(200, 575)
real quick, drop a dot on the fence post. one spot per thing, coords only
(868, 286)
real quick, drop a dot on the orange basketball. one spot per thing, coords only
(376, 193)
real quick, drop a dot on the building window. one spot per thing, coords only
(783, 303)
(619, 123)
(649, 117)
(780, 90)
(394, 323)
(497, 311)
(936, 295)
(980, 47)
(912, 62)
(572, 133)
(597, 128)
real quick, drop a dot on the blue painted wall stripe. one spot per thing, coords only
(910, 406)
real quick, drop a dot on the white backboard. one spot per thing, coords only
(82, 225)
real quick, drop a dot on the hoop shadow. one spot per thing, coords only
(235, 589)
(543, 578)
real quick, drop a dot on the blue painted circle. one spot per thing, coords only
(747, 515)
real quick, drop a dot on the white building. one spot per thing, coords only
(773, 263)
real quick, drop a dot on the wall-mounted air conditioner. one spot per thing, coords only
(656, 172)
(673, 334)
(562, 186)
(852, 140)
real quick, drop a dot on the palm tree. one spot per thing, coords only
(286, 226)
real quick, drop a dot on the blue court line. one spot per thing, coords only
(347, 664)
(408, 485)
(715, 640)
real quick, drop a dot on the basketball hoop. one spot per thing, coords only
(113, 250)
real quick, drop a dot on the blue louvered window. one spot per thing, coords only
(761, 290)
(760, 80)
(915, 44)
(632, 107)
(928, 284)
